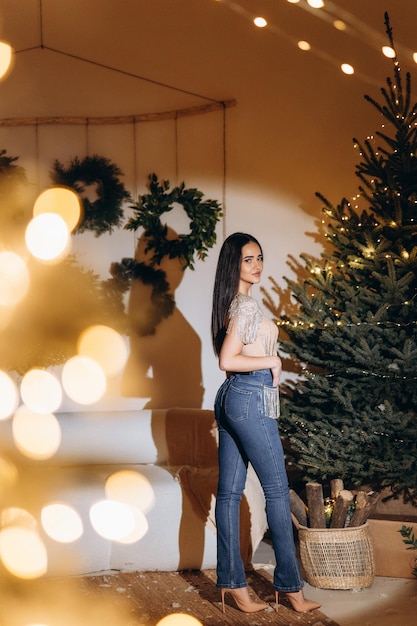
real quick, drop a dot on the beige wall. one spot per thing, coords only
(289, 135)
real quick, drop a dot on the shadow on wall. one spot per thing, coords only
(187, 440)
(165, 356)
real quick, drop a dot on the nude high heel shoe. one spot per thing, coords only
(243, 600)
(299, 603)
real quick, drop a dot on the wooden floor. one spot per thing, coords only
(150, 596)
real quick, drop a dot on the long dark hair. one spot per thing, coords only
(226, 284)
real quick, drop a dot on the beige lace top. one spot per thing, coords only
(247, 321)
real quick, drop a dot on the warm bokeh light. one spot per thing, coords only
(9, 396)
(60, 200)
(106, 346)
(22, 552)
(61, 522)
(388, 52)
(112, 520)
(8, 478)
(131, 488)
(41, 391)
(260, 22)
(14, 278)
(316, 4)
(36, 435)
(339, 25)
(347, 68)
(47, 237)
(83, 380)
(293, 1)
(15, 516)
(304, 45)
(6, 56)
(179, 619)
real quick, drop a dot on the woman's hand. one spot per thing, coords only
(276, 371)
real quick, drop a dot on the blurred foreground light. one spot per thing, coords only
(415, 57)
(179, 619)
(347, 68)
(15, 516)
(131, 488)
(36, 435)
(316, 4)
(41, 391)
(9, 396)
(61, 522)
(83, 380)
(8, 478)
(388, 52)
(62, 201)
(115, 520)
(106, 346)
(23, 552)
(6, 56)
(47, 237)
(14, 278)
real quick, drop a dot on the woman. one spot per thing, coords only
(246, 409)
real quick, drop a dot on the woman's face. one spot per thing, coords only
(251, 266)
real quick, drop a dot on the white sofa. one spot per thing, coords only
(174, 449)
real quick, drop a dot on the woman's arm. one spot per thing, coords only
(231, 359)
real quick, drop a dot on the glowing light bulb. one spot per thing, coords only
(61, 522)
(6, 55)
(23, 552)
(260, 22)
(36, 435)
(14, 278)
(62, 201)
(106, 346)
(41, 391)
(47, 237)
(8, 396)
(388, 52)
(131, 488)
(316, 4)
(347, 68)
(118, 521)
(304, 45)
(179, 619)
(83, 380)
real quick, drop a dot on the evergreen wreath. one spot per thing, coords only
(106, 212)
(203, 214)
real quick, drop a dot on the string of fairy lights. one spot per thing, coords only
(337, 18)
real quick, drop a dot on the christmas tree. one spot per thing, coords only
(352, 414)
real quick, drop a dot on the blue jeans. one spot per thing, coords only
(246, 435)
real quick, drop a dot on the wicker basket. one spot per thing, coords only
(337, 558)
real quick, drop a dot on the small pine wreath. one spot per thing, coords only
(203, 214)
(105, 213)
